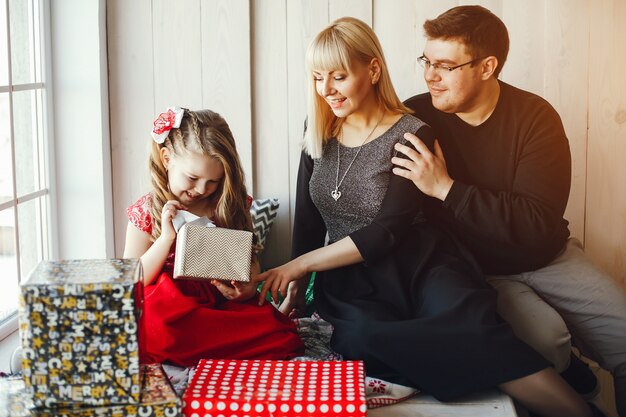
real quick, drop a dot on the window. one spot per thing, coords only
(24, 175)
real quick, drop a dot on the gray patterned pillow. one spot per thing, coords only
(263, 213)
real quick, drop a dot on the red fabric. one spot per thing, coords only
(139, 214)
(186, 321)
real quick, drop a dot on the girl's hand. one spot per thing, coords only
(294, 304)
(167, 215)
(235, 290)
(277, 279)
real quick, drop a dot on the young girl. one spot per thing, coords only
(401, 295)
(195, 167)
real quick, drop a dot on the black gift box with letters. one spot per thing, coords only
(80, 324)
(158, 399)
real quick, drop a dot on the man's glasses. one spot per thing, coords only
(442, 68)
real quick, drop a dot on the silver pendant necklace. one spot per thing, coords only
(336, 194)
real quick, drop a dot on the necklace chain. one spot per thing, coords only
(335, 194)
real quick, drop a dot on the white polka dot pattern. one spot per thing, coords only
(259, 388)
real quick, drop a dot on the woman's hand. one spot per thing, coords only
(235, 290)
(168, 213)
(277, 279)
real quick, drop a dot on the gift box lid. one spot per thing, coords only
(276, 388)
(85, 271)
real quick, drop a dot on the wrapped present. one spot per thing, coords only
(204, 251)
(80, 327)
(158, 399)
(264, 388)
(15, 400)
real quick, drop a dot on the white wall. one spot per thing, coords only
(244, 59)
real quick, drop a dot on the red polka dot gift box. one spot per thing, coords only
(264, 388)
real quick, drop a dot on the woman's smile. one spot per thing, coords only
(336, 103)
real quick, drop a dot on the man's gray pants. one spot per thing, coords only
(570, 296)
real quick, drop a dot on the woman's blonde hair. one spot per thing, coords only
(207, 133)
(337, 47)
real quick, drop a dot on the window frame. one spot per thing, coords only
(46, 155)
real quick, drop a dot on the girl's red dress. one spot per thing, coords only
(186, 321)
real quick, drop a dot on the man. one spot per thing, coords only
(502, 189)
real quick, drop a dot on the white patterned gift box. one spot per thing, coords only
(208, 252)
(80, 328)
(263, 388)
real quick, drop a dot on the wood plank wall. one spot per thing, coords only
(244, 59)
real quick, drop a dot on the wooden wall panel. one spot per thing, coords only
(226, 70)
(430, 9)
(494, 5)
(270, 127)
(361, 9)
(524, 66)
(565, 87)
(400, 37)
(304, 20)
(131, 104)
(177, 53)
(605, 227)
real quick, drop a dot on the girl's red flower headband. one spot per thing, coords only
(165, 122)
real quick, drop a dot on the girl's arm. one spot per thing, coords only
(152, 255)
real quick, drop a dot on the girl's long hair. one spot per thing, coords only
(207, 133)
(336, 47)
